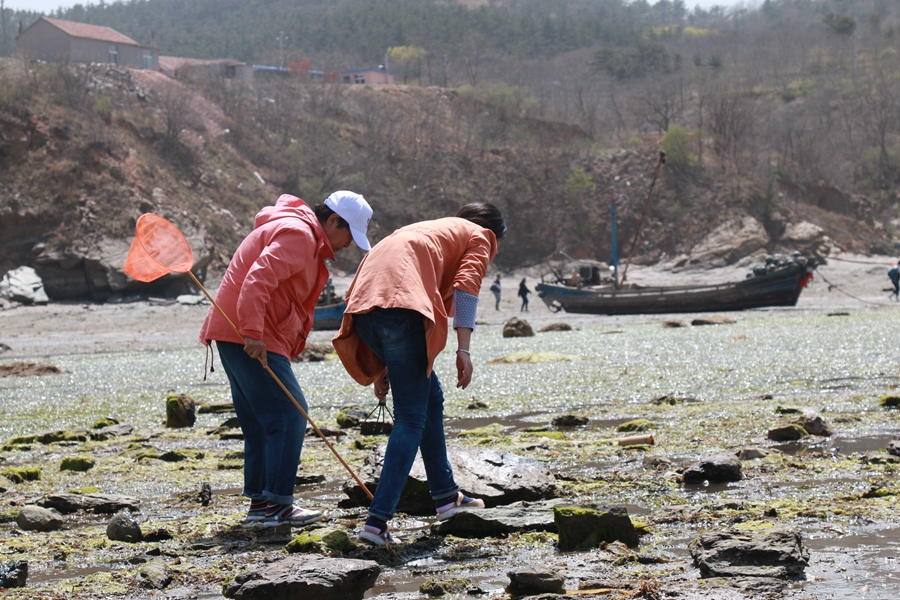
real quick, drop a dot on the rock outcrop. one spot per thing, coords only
(729, 242)
(498, 478)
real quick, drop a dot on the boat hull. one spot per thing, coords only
(779, 288)
(328, 316)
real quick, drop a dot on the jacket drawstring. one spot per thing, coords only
(209, 359)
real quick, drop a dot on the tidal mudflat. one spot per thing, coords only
(701, 389)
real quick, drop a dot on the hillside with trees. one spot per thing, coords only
(785, 114)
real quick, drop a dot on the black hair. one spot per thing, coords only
(323, 212)
(486, 215)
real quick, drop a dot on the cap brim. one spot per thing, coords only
(361, 240)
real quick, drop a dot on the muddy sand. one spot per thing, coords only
(833, 354)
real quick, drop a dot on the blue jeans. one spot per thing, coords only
(397, 336)
(273, 427)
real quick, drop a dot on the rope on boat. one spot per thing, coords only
(834, 286)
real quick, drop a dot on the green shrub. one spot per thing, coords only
(676, 144)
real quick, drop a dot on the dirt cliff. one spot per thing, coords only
(85, 150)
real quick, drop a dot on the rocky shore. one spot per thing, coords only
(771, 472)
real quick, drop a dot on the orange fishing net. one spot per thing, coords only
(158, 249)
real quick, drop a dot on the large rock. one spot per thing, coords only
(155, 574)
(776, 552)
(306, 577)
(583, 528)
(500, 521)
(787, 433)
(97, 503)
(532, 583)
(13, 574)
(893, 447)
(498, 478)
(714, 468)
(35, 518)
(815, 425)
(729, 242)
(23, 285)
(124, 528)
(181, 411)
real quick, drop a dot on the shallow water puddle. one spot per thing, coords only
(859, 566)
(56, 576)
(839, 444)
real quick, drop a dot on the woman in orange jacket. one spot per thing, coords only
(394, 326)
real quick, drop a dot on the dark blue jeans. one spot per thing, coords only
(397, 336)
(273, 427)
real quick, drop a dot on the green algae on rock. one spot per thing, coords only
(635, 425)
(584, 528)
(890, 401)
(336, 540)
(492, 430)
(435, 587)
(530, 356)
(22, 474)
(48, 437)
(80, 463)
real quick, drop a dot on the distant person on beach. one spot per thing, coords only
(894, 275)
(269, 292)
(395, 325)
(523, 294)
(495, 289)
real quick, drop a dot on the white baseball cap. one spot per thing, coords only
(354, 209)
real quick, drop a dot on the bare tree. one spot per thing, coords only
(659, 104)
(731, 117)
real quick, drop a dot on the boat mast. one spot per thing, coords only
(615, 246)
(662, 160)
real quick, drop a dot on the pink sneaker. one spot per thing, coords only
(462, 503)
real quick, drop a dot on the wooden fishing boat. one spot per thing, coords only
(329, 310)
(779, 286)
(329, 316)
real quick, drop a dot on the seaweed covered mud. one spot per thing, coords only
(773, 437)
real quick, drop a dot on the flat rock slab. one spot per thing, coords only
(98, 503)
(776, 552)
(502, 520)
(714, 468)
(498, 478)
(306, 577)
(104, 433)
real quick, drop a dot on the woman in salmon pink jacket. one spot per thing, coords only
(394, 326)
(269, 292)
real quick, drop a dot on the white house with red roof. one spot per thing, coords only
(55, 40)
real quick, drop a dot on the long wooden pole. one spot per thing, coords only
(285, 390)
(662, 160)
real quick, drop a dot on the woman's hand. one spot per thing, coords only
(382, 386)
(256, 349)
(464, 369)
